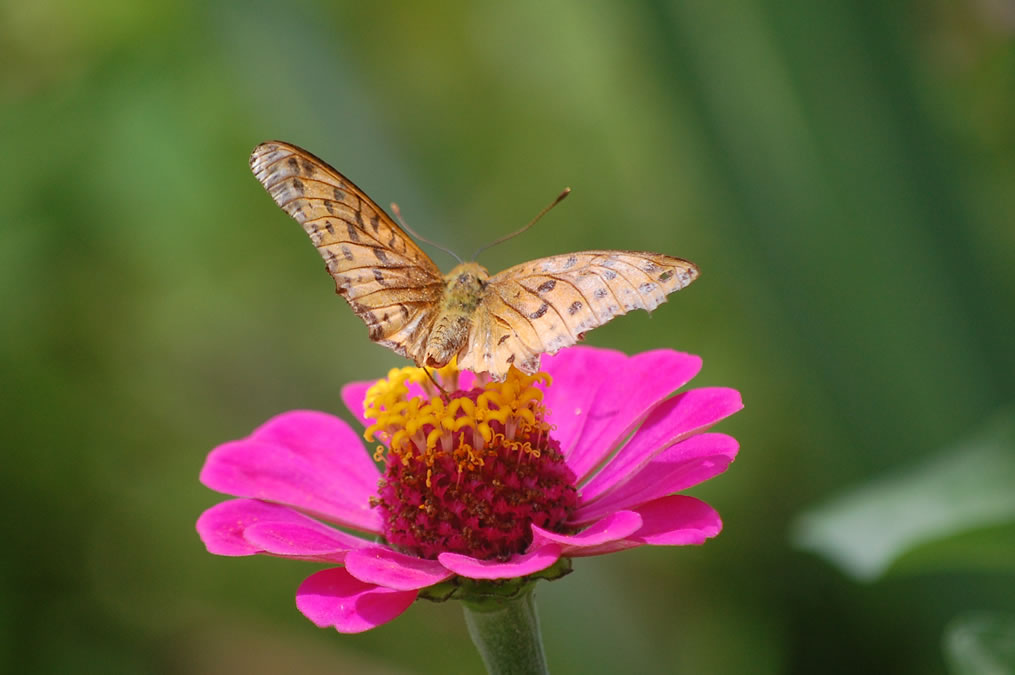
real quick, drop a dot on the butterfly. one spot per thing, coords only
(490, 323)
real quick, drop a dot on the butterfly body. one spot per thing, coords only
(490, 323)
(463, 294)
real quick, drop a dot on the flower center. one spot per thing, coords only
(470, 471)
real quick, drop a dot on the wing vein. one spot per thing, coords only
(551, 306)
(606, 283)
(525, 318)
(393, 288)
(579, 292)
(351, 222)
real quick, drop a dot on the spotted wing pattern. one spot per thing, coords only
(548, 304)
(386, 278)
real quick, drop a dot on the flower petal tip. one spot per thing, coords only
(614, 527)
(391, 569)
(518, 566)
(333, 598)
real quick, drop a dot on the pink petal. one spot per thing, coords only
(578, 373)
(222, 528)
(517, 566)
(677, 520)
(391, 569)
(326, 442)
(611, 528)
(253, 468)
(674, 420)
(466, 380)
(353, 395)
(630, 393)
(307, 541)
(679, 467)
(333, 597)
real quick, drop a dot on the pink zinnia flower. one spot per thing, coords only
(499, 480)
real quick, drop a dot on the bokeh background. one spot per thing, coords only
(843, 172)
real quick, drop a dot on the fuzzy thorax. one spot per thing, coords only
(450, 333)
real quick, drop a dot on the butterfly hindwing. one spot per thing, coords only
(387, 279)
(545, 305)
(506, 320)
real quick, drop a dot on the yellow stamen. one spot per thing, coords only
(423, 428)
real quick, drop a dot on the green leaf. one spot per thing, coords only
(981, 643)
(970, 486)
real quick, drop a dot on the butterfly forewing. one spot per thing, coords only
(530, 309)
(545, 305)
(387, 279)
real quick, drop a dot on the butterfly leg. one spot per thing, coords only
(444, 393)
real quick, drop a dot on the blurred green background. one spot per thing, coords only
(842, 172)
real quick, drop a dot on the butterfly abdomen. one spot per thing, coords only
(462, 295)
(447, 338)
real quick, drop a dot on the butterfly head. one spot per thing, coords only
(467, 279)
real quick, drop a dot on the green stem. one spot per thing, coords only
(505, 630)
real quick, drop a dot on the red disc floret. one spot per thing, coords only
(479, 502)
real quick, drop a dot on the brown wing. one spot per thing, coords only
(547, 304)
(387, 279)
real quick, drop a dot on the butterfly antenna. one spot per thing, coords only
(532, 222)
(398, 215)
